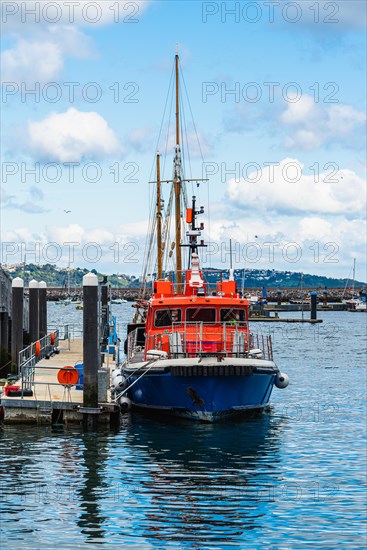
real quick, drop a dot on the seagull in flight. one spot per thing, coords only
(67, 211)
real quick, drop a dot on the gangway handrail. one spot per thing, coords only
(29, 357)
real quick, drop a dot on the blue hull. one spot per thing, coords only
(205, 398)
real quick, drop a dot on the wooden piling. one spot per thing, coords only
(42, 306)
(33, 311)
(4, 337)
(313, 305)
(17, 322)
(91, 350)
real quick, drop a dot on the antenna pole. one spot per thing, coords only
(159, 217)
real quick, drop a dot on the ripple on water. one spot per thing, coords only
(293, 478)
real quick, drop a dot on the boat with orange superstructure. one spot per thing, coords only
(199, 359)
(193, 354)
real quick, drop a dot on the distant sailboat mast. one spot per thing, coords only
(354, 276)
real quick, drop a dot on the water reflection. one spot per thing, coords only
(93, 484)
(205, 480)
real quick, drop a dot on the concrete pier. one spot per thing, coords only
(53, 402)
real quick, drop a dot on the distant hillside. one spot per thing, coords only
(257, 278)
(254, 278)
(62, 277)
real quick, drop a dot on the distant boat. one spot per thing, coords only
(361, 306)
(358, 301)
(119, 301)
(253, 299)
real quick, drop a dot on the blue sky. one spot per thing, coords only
(285, 150)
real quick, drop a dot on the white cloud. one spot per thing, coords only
(343, 119)
(40, 57)
(322, 246)
(313, 227)
(299, 111)
(312, 244)
(42, 39)
(72, 136)
(285, 188)
(39, 61)
(29, 203)
(310, 125)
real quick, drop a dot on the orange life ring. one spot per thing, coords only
(68, 376)
(52, 338)
(37, 348)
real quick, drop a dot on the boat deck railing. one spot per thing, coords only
(205, 339)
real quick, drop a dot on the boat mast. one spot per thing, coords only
(354, 275)
(159, 219)
(177, 186)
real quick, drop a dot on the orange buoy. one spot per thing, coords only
(37, 348)
(52, 338)
(68, 376)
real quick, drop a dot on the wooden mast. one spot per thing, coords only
(177, 186)
(159, 219)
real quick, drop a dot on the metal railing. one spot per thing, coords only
(205, 339)
(29, 357)
(68, 331)
(212, 288)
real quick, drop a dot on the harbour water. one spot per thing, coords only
(294, 478)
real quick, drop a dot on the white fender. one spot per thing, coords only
(118, 381)
(256, 353)
(124, 403)
(156, 354)
(281, 380)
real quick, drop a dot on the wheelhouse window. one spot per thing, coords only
(200, 315)
(232, 315)
(165, 317)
